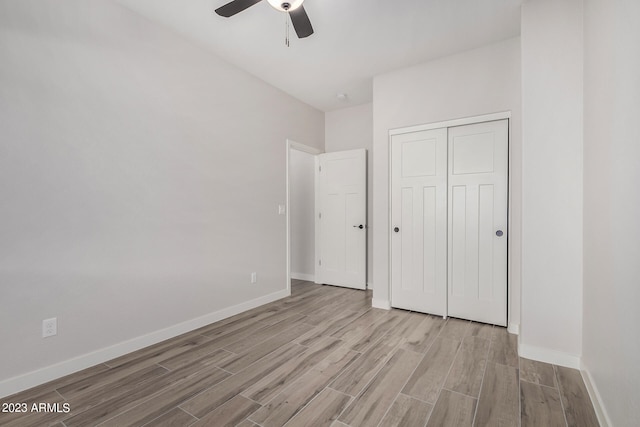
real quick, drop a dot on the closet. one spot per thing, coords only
(449, 221)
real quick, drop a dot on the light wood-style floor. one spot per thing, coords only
(322, 357)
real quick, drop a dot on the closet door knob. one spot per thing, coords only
(499, 233)
(396, 229)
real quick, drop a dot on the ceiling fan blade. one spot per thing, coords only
(301, 23)
(236, 6)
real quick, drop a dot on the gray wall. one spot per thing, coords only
(140, 179)
(611, 319)
(552, 53)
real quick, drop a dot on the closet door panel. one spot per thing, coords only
(477, 182)
(419, 213)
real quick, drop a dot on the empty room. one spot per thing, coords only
(319, 213)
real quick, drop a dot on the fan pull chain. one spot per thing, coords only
(286, 24)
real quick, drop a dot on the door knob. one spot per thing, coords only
(499, 233)
(396, 229)
(359, 226)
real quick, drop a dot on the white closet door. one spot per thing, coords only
(342, 216)
(419, 214)
(477, 282)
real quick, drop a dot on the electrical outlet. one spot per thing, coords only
(49, 327)
(254, 278)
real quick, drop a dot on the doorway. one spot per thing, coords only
(300, 211)
(326, 216)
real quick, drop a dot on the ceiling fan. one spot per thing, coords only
(293, 8)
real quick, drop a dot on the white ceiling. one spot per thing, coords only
(354, 40)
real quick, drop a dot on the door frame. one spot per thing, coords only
(293, 145)
(447, 124)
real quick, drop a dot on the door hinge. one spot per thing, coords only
(320, 215)
(319, 168)
(319, 262)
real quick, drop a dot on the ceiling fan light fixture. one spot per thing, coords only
(293, 8)
(285, 6)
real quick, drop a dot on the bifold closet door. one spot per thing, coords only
(477, 205)
(419, 221)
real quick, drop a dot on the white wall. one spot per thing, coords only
(140, 178)
(302, 214)
(611, 319)
(349, 129)
(473, 83)
(552, 181)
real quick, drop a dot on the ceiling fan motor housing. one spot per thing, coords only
(285, 6)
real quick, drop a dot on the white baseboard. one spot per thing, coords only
(381, 303)
(596, 399)
(514, 328)
(548, 356)
(43, 375)
(303, 276)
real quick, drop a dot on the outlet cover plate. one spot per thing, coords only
(49, 327)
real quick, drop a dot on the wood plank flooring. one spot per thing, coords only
(321, 357)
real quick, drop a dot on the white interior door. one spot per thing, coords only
(419, 221)
(342, 214)
(478, 161)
